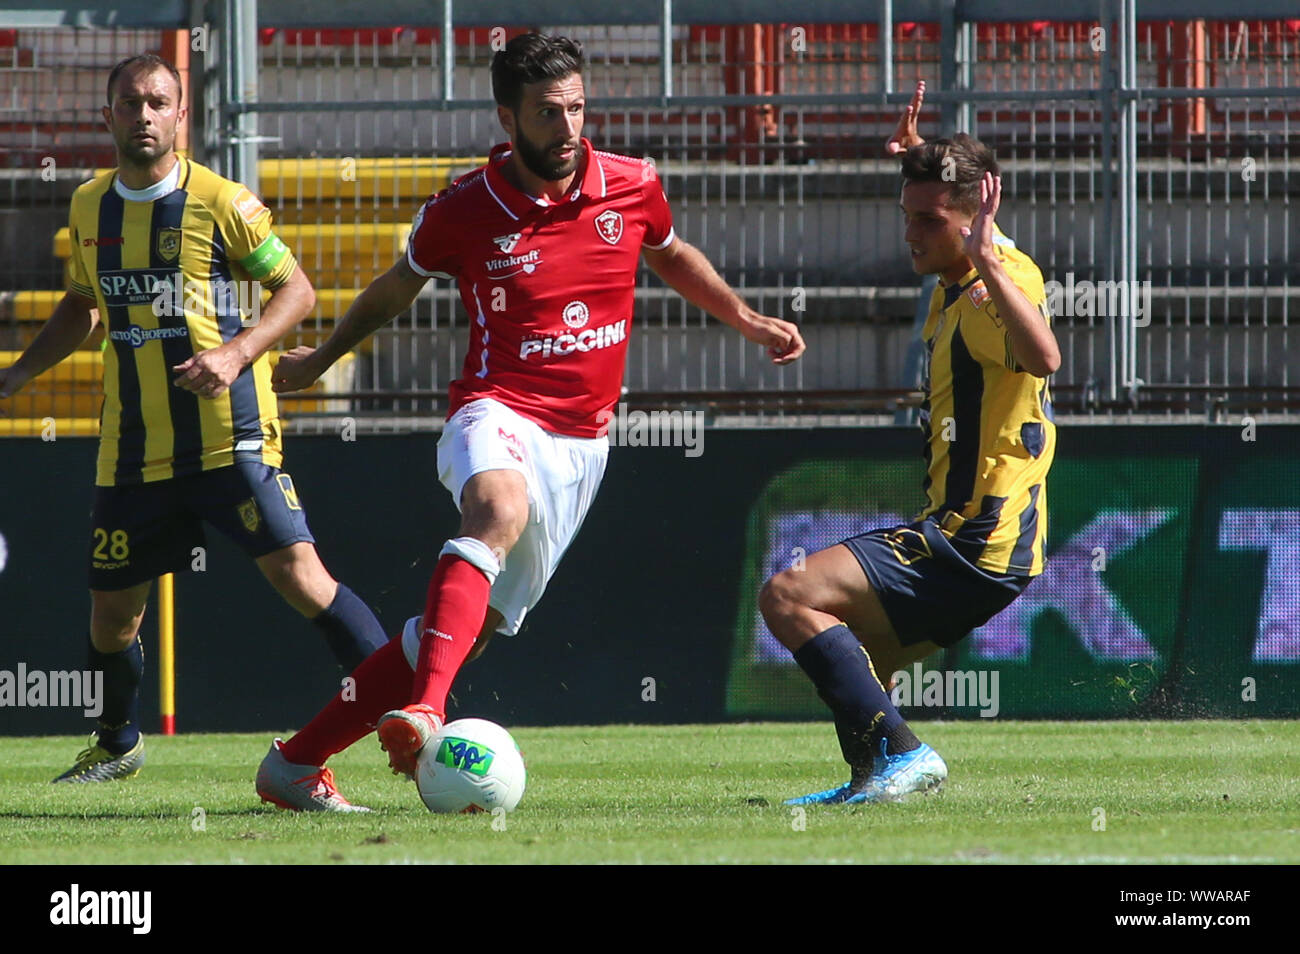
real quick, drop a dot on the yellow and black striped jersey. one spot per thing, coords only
(169, 267)
(989, 431)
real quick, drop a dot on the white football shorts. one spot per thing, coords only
(562, 475)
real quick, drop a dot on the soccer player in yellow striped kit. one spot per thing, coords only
(870, 605)
(172, 259)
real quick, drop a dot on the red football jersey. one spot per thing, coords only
(548, 285)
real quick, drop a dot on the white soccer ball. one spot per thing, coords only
(471, 765)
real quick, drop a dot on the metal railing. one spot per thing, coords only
(1141, 148)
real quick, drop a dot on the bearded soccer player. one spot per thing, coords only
(189, 430)
(878, 602)
(544, 243)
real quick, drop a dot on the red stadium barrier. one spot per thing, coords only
(386, 36)
(757, 60)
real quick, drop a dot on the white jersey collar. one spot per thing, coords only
(164, 186)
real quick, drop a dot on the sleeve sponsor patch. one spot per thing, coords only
(978, 294)
(249, 206)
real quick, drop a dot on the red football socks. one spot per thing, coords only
(457, 606)
(453, 617)
(383, 683)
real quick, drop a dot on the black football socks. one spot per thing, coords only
(350, 628)
(864, 714)
(118, 720)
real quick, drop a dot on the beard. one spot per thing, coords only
(538, 160)
(144, 153)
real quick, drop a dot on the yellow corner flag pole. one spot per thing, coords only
(167, 653)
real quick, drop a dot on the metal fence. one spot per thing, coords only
(1138, 146)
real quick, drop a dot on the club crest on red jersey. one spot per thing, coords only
(507, 243)
(609, 226)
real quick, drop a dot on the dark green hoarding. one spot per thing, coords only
(1173, 585)
(1172, 588)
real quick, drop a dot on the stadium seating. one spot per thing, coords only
(347, 255)
(71, 393)
(347, 216)
(28, 310)
(346, 219)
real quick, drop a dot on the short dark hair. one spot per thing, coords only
(961, 161)
(144, 62)
(531, 58)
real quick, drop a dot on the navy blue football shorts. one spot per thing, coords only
(928, 590)
(141, 531)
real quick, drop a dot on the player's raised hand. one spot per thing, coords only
(210, 373)
(905, 135)
(978, 238)
(294, 371)
(11, 382)
(781, 338)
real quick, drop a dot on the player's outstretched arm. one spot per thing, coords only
(210, 373)
(386, 297)
(1032, 343)
(691, 275)
(73, 320)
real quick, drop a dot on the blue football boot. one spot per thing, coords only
(837, 796)
(920, 770)
(832, 796)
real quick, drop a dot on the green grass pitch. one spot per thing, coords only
(1171, 792)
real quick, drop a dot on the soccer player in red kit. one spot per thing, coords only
(544, 243)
